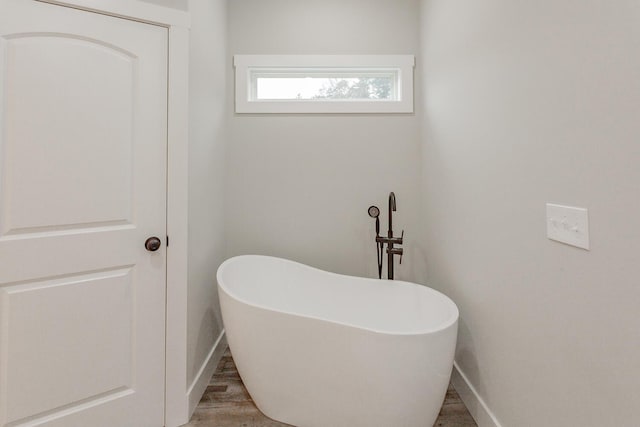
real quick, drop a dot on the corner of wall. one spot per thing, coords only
(199, 384)
(478, 409)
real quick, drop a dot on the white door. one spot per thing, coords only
(83, 134)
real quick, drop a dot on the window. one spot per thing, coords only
(324, 83)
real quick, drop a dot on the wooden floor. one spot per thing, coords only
(226, 403)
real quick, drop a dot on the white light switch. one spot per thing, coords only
(568, 225)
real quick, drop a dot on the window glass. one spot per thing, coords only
(322, 86)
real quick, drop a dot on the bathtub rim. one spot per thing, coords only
(444, 325)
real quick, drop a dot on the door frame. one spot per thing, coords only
(176, 405)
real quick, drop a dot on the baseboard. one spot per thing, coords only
(199, 384)
(474, 403)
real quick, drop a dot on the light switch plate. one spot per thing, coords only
(568, 225)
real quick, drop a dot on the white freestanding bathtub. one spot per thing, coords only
(317, 349)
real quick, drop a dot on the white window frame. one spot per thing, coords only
(245, 65)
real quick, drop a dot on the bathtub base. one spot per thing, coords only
(317, 374)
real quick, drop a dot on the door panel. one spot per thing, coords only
(83, 133)
(39, 133)
(103, 340)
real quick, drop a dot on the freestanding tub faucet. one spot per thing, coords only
(390, 240)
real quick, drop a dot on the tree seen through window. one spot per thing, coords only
(356, 88)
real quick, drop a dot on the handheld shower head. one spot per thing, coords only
(374, 212)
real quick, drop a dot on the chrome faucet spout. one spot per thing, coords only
(392, 208)
(390, 242)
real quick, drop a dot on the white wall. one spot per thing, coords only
(299, 186)
(173, 4)
(526, 103)
(207, 141)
